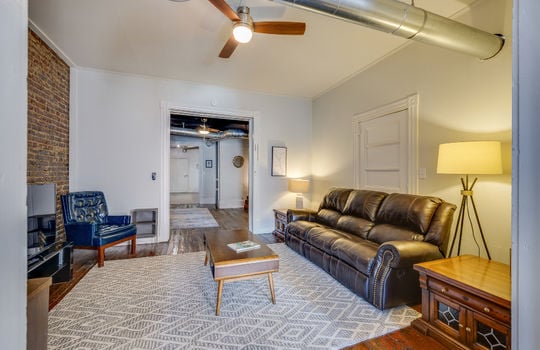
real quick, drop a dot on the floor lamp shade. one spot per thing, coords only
(477, 157)
(299, 186)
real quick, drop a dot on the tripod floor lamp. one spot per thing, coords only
(466, 158)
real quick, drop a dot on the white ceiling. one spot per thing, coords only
(181, 40)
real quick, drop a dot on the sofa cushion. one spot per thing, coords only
(335, 199)
(328, 217)
(357, 252)
(300, 228)
(111, 233)
(364, 204)
(408, 211)
(385, 232)
(323, 237)
(357, 226)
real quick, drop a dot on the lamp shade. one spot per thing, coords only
(477, 157)
(298, 185)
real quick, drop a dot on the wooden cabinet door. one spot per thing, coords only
(486, 334)
(448, 316)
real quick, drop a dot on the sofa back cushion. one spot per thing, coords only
(332, 206)
(404, 217)
(335, 199)
(86, 206)
(408, 211)
(356, 226)
(364, 204)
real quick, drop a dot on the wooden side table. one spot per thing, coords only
(280, 217)
(466, 302)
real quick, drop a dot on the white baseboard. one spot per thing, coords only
(230, 204)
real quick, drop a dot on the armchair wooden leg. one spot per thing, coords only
(134, 246)
(101, 256)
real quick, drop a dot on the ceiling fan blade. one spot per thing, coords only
(225, 9)
(286, 28)
(228, 48)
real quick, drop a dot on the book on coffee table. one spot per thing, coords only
(243, 246)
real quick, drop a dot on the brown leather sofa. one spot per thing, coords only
(369, 240)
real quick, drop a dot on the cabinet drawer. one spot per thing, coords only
(281, 216)
(474, 302)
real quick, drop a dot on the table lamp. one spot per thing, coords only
(465, 158)
(299, 186)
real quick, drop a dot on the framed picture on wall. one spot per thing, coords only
(279, 161)
(208, 163)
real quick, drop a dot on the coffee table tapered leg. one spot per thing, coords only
(271, 283)
(220, 291)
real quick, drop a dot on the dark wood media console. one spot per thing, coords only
(54, 260)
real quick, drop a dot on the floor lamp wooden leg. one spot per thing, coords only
(480, 228)
(459, 226)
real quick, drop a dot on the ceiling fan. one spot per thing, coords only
(244, 26)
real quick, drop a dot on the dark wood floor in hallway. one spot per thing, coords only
(190, 240)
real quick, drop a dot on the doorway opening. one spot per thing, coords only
(209, 163)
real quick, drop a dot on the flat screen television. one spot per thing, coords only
(41, 209)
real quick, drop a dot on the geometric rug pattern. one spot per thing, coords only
(168, 302)
(183, 218)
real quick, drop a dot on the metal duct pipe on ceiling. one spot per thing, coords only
(212, 136)
(409, 22)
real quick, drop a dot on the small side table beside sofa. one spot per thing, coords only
(280, 217)
(466, 302)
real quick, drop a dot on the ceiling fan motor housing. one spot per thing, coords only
(245, 18)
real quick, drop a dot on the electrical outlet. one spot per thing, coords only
(422, 173)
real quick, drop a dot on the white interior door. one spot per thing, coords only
(385, 147)
(383, 153)
(179, 175)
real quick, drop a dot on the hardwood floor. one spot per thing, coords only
(190, 240)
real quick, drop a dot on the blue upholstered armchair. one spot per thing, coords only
(89, 225)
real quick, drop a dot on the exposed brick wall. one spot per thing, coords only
(48, 121)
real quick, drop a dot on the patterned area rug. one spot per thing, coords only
(182, 218)
(168, 302)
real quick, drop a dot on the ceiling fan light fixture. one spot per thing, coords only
(242, 32)
(203, 129)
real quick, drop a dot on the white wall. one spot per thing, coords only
(461, 98)
(207, 194)
(232, 181)
(117, 139)
(13, 70)
(526, 166)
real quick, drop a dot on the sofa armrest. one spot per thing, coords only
(392, 279)
(301, 214)
(408, 253)
(119, 219)
(81, 233)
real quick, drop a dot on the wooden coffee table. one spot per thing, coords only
(228, 265)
